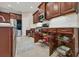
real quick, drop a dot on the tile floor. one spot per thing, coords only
(25, 47)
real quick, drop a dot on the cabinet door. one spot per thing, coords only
(67, 7)
(42, 11)
(6, 42)
(52, 30)
(52, 10)
(6, 16)
(42, 6)
(36, 17)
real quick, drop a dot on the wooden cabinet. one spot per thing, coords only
(44, 30)
(6, 42)
(15, 16)
(37, 36)
(42, 6)
(52, 30)
(65, 30)
(6, 17)
(68, 7)
(52, 10)
(18, 16)
(42, 9)
(12, 16)
(72, 43)
(54, 42)
(36, 17)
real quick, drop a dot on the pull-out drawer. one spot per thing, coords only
(52, 30)
(65, 30)
(44, 29)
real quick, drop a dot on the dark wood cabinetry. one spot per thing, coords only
(52, 30)
(42, 6)
(6, 42)
(6, 17)
(36, 17)
(18, 16)
(15, 16)
(72, 43)
(65, 30)
(68, 7)
(37, 36)
(12, 16)
(52, 10)
(54, 42)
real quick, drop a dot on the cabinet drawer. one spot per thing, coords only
(52, 30)
(65, 30)
(44, 29)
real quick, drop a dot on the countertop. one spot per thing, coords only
(6, 25)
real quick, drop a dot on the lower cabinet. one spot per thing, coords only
(6, 41)
(68, 33)
(67, 37)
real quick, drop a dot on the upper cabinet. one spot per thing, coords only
(4, 17)
(49, 10)
(42, 6)
(15, 16)
(68, 7)
(42, 9)
(52, 10)
(18, 16)
(36, 17)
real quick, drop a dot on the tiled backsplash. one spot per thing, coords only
(64, 21)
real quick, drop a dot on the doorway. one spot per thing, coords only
(19, 27)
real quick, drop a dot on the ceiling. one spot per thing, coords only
(19, 7)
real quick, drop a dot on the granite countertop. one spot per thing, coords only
(5, 25)
(65, 27)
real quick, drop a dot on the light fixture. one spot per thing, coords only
(9, 5)
(31, 7)
(18, 2)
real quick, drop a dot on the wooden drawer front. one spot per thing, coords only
(45, 30)
(52, 30)
(65, 30)
(6, 17)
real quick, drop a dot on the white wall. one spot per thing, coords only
(27, 22)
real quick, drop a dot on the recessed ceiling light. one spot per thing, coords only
(18, 2)
(31, 7)
(9, 5)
